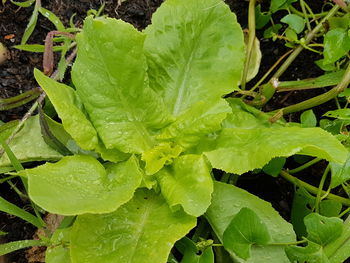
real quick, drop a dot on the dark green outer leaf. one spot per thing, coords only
(195, 52)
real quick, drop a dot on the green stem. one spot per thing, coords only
(302, 4)
(251, 38)
(320, 188)
(313, 189)
(318, 100)
(304, 166)
(347, 210)
(308, 39)
(297, 12)
(289, 243)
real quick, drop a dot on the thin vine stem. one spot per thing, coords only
(320, 188)
(304, 166)
(312, 189)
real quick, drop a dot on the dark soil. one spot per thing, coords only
(16, 77)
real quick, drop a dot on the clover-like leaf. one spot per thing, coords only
(245, 230)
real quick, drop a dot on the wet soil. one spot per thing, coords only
(16, 77)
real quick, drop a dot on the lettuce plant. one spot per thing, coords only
(145, 122)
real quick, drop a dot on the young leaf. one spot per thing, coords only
(201, 119)
(109, 74)
(261, 18)
(36, 48)
(276, 5)
(141, 231)
(187, 183)
(67, 106)
(239, 150)
(330, 208)
(191, 253)
(295, 22)
(28, 145)
(27, 3)
(83, 179)
(323, 230)
(336, 45)
(228, 200)
(245, 230)
(342, 114)
(308, 119)
(192, 48)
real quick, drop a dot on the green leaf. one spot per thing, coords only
(192, 255)
(67, 106)
(323, 230)
(187, 183)
(36, 48)
(275, 166)
(239, 150)
(261, 18)
(245, 230)
(272, 31)
(330, 208)
(339, 250)
(53, 18)
(255, 57)
(31, 24)
(276, 5)
(141, 231)
(312, 253)
(28, 145)
(228, 200)
(83, 179)
(303, 203)
(336, 45)
(16, 245)
(27, 3)
(192, 48)
(12, 209)
(295, 22)
(308, 119)
(109, 74)
(160, 155)
(342, 114)
(59, 251)
(201, 119)
(340, 172)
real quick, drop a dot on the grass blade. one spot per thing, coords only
(16, 245)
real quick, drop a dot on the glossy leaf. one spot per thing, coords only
(83, 179)
(67, 106)
(336, 45)
(31, 24)
(192, 48)
(53, 18)
(27, 3)
(241, 150)
(187, 183)
(228, 200)
(28, 145)
(109, 74)
(323, 230)
(245, 230)
(141, 231)
(16, 245)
